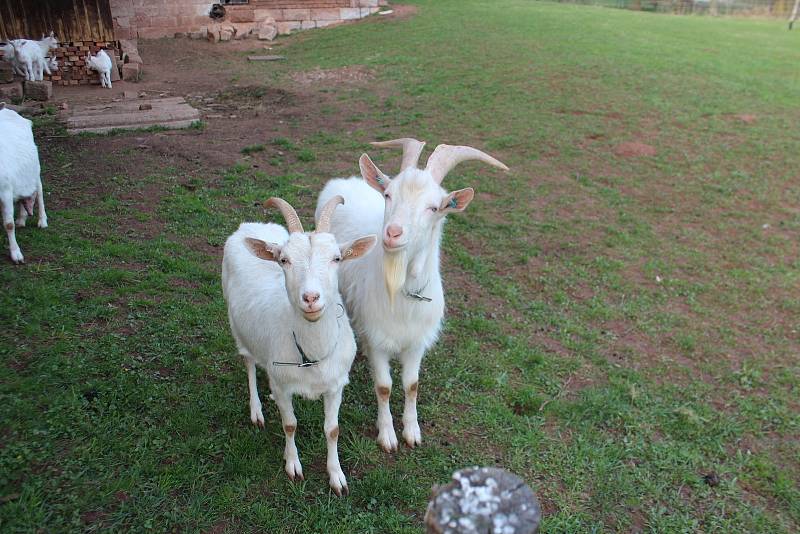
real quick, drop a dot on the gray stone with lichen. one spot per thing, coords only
(481, 500)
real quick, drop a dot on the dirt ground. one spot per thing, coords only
(238, 108)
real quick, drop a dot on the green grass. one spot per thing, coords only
(618, 328)
(251, 149)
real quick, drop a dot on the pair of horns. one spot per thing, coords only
(293, 223)
(443, 159)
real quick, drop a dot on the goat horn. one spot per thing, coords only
(292, 220)
(445, 157)
(325, 214)
(412, 150)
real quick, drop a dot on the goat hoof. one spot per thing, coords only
(387, 439)
(338, 483)
(257, 417)
(344, 491)
(294, 470)
(412, 435)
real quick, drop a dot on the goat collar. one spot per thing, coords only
(305, 361)
(417, 295)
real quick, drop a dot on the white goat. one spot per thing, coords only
(52, 63)
(286, 316)
(408, 211)
(32, 55)
(102, 64)
(19, 175)
(10, 55)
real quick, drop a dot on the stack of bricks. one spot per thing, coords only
(71, 58)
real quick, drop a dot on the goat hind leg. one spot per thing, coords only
(42, 222)
(22, 217)
(8, 222)
(256, 412)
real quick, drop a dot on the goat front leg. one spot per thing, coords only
(338, 481)
(284, 402)
(381, 376)
(8, 222)
(411, 361)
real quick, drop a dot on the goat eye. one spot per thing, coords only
(434, 209)
(386, 196)
(337, 259)
(284, 261)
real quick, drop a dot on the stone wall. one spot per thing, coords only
(165, 18)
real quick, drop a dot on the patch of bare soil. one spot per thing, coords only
(634, 149)
(747, 118)
(238, 109)
(402, 11)
(353, 74)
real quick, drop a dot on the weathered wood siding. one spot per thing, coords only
(71, 20)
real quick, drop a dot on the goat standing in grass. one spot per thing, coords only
(20, 179)
(286, 316)
(395, 295)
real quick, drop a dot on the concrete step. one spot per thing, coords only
(170, 113)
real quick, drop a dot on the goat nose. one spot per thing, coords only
(310, 297)
(394, 230)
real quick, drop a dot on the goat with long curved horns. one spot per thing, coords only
(395, 295)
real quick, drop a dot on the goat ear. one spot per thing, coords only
(262, 249)
(358, 247)
(457, 201)
(372, 174)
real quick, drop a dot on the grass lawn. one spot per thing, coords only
(623, 323)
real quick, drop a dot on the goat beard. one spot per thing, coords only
(395, 265)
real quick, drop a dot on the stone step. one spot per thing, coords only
(131, 104)
(173, 125)
(170, 113)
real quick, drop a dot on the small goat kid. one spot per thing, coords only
(32, 56)
(286, 316)
(408, 211)
(20, 180)
(102, 64)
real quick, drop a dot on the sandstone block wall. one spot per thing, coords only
(165, 18)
